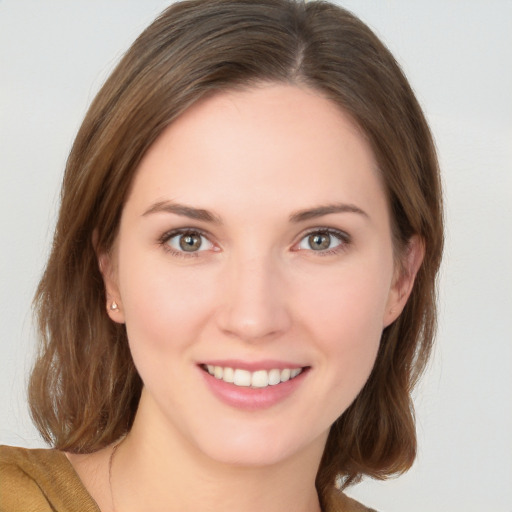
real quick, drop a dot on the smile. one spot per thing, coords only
(256, 379)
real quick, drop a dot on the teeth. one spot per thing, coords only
(257, 379)
(295, 372)
(274, 377)
(242, 378)
(229, 375)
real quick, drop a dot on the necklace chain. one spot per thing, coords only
(110, 462)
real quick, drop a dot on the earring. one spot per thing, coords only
(114, 306)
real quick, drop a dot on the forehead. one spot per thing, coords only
(274, 143)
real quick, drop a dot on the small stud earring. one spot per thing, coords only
(114, 306)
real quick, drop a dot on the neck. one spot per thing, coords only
(157, 470)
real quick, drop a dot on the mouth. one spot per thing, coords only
(253, 379)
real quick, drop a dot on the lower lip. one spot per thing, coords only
(252, 399)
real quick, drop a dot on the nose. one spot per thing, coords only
(253, 305)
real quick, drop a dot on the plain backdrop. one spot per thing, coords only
(55, 54)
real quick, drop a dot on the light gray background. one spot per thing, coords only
(54, 55)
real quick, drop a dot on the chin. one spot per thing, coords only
(249, 455)
(259, 448)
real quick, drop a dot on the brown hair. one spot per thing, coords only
(84, 388)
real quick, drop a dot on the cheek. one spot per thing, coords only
(344, 319)
(350, 301)
(164, 307)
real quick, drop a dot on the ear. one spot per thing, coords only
(108, 269)
(405, 274)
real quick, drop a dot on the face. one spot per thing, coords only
(254, 270)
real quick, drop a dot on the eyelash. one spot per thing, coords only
(164, 241)
(343, 237)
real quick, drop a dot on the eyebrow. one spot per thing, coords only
(207, 216)
(320, 211)
(183, 210)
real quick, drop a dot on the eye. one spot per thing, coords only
(188, 242)
(323, 241)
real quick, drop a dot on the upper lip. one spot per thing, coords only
(252, 366)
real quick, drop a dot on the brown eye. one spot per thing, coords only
(189, 242)
(319, 241)
(323, 241)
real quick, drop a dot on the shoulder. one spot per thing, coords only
(40, 480)
(340, 502)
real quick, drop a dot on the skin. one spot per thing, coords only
(255, 290)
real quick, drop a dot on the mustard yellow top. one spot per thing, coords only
(45, 481)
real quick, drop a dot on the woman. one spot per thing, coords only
(241, 292)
